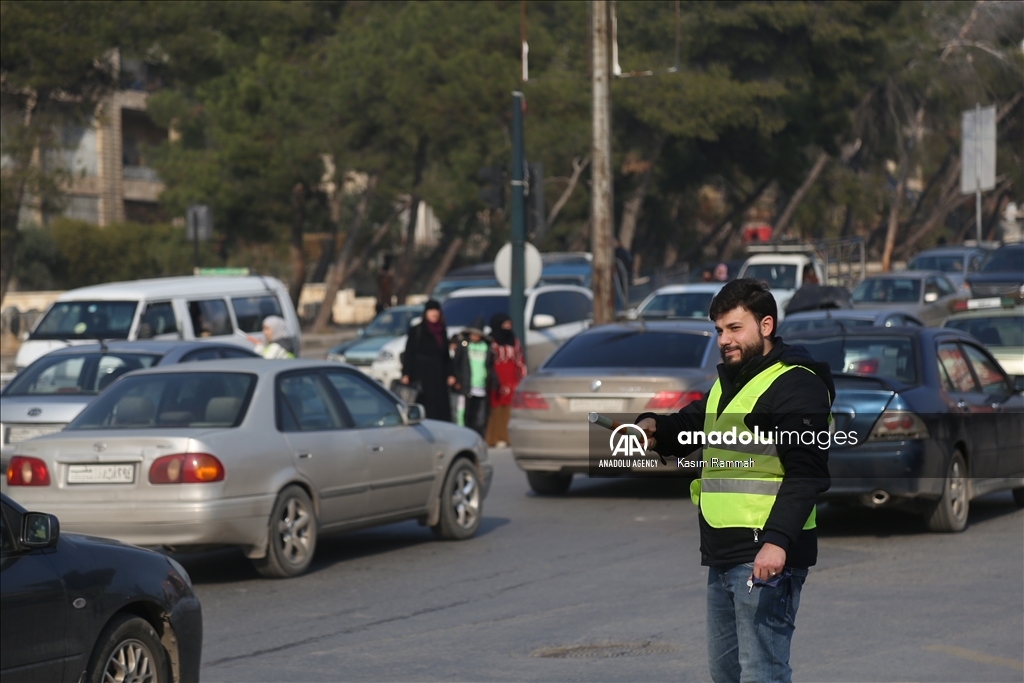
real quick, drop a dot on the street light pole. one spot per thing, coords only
(601, 168)
(517, 298)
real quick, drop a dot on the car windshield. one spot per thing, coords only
(777, 275)
(462, 311)
(947, 263)
(169, 400)
(633, 348)
(391, 323)
(888, 291)
(997, 331)
(679, 305)
(86, 320)
(889, 357)
(790, 327)
(1005, 260)
(84, 374)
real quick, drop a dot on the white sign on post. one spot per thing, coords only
(503, 265)
(978, 150)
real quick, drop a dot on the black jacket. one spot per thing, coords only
(460, 362)
(798, 400)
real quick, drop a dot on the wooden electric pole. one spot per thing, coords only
(601, 168)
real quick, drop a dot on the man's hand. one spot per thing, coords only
(648, 425)
(451, 380)
(405, 379)
(769, 562)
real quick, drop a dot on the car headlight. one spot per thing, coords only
(181, 571)
(385, 356)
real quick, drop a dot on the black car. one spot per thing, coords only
(1001, 275)
(924, 420)
(78, 608)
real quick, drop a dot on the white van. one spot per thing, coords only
(221, 308)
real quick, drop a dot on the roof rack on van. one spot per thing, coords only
(229, 272)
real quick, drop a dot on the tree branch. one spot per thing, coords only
(578, 166)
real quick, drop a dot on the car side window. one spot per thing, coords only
(912, 322)
(200, 354)
(158, 318)
(8, 544)
(956, 367)
(236, 353)
(975, 263)
(251, 310)
(210, 318)
(304, 403)
(894, 321)
(931, 286)
(583, 307)
(945, 286)
(564, 307)
(993, 381)
(368, 405)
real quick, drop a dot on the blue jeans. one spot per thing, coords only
(749, 632)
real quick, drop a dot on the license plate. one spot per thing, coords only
(597, 405)
(101, 474)
(24, 433)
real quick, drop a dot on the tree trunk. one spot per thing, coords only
(342, 267)
(295, 253)
(10, 236)
(406, 267)
(787, 214)
(578, 165)
(634, 205)
(894, 221)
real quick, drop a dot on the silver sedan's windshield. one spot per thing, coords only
(169, 400)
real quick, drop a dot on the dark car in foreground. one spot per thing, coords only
(934, 419)
(78, 608)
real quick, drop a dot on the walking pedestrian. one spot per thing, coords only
(427, 365)
(277, 342)
(756, 494)
(509, 368)
(473, 361)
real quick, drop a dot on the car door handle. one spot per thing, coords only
(962, 406)
(305, 456)
(376, 449)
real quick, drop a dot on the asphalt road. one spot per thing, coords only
(606, 584)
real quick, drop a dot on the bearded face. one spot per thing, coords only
(737, 354)
(741, 336)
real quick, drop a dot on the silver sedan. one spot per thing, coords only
(259, 454)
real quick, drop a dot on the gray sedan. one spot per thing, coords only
(927, 295)
(263, 455)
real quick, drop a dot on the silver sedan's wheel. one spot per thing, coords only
(129, 651)
(949, 512)
(292, 531)
(461, 502)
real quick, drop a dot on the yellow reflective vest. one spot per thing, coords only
(741, 477)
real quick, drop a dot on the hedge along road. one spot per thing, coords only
(605, 584)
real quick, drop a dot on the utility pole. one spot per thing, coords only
(601, 168)
(517, 298)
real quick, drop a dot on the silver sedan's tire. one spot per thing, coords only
(949, 512)
(461, 502)
(129, 649)
(292, 536)
(549, 483)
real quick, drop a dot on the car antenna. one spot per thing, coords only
(103, 343)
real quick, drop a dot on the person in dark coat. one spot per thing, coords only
(427, 363)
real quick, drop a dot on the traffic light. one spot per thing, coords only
(493, 191)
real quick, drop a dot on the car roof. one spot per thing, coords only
(675, 325)
(142, 346)
(954, 249)
(845, 313)
(700, 287)
(779, 257)
(466, 292)
(902, 331)
(1001, 312)
(258, 366)
(186, 285)
(904, 275)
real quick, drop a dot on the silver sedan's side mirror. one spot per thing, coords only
(543, 320)
(415, 413)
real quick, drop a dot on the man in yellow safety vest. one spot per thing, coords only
(765, 430)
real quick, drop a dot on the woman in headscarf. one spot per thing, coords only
(427, 363)
(277, 344)
(509, 368)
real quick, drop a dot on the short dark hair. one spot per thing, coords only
(748, 293)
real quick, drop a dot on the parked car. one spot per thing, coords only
(841, 319)
(955, 263)
(783, 272)
(558, 268)
(388, 324)
(678, 301)
(996, 323)
(936, 421)
(928, 296)
(261, 454)
(50, 392)
(554, 313)
(1002, 274)
(77, 608)
(229, 309)
(620, 368)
